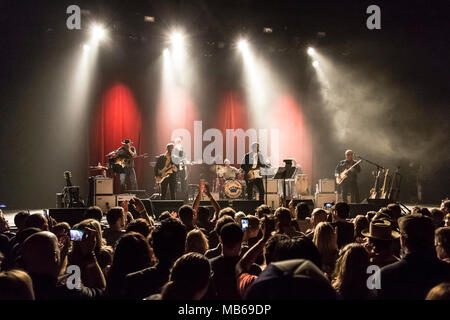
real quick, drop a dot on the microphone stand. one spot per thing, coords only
(373, 163)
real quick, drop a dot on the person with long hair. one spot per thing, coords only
(102, 251)
(132, 253)
(325, 239)
(196, 241)
(189, 278)
(350, 273)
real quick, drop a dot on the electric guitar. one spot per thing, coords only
(121, 161)
(165, 172)
(373, 191)
(383, 189)
(253, 174)
(344, 174)
(393, 192)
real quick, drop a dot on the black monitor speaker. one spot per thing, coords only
(160, 206)
(246, 206)
(70, 215)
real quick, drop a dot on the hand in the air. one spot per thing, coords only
(124, 205)
(138, 205)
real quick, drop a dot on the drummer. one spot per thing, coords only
(228, 171)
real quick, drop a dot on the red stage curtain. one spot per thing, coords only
(116, 119)
(233, 114)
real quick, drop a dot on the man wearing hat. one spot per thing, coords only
(380, 238)
(419, 270)
(126, 153)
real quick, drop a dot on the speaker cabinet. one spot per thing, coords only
(322, 198)
(105, 202)
(222, 203)
(102, 185)
(70, 215)
(272, 185)
(123, 197)
(246, 206)
(326, 186)
(273, 200)
(166, 205)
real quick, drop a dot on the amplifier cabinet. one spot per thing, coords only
(105, 202)
(322, 198)
(101, 185)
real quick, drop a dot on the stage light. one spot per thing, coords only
(242, 45)
(166, 52)
(315, 63)
(267, 30)
(149, 19)
(86, 47)
(311, 51)
(98, 32)
(176, 38)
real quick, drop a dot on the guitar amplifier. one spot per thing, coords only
(124, 197)
(105, 202)
(272, 185)
(101, 185)
(273, 200)
(326, 186)
(322, 198)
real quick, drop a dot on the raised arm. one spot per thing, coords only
(244, 264)
(213, 203)
(196, 203)
(139, 206)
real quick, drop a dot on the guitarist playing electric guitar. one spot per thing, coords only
(166, 172)
(124, 157)
(346, 177)
(251, 165)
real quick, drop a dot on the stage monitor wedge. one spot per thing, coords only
(165, 205)
(70, 215)
(246, 206)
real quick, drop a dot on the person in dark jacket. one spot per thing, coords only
(345, 230)
(420, 269)
(168, 243)
(41, 258)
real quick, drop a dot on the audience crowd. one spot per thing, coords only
(196, 254)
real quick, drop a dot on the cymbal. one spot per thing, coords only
(98, 168)
(215, 167)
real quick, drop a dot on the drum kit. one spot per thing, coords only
(99, 168)
(231, 186)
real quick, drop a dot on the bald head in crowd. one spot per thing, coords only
(41, 255)
(317, 216)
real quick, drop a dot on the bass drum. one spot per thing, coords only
(233, 189)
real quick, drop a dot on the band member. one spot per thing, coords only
(349, 185)
(166, 172)
(228, 171)
(179, 158)
(125, 156)
(251, 165)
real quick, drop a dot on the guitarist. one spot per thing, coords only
(349, 185)
(127, 153)
(166, 172)
(251, 164)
